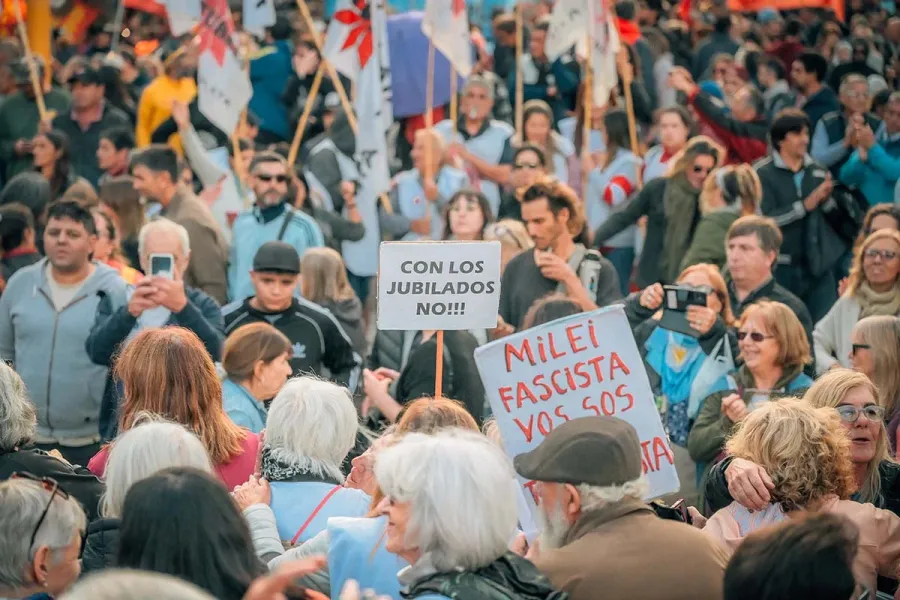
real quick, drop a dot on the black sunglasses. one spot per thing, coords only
(753, 335)
(701, 169)
(857, 347)
(51, 485)
(277, 178)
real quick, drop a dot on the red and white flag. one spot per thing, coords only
(357, 45)
(223, 88)
(573, 23)
(446, 24)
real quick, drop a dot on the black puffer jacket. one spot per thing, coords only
(101, 545)
(510, 577)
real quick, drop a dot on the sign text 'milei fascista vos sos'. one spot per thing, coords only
(579, 366)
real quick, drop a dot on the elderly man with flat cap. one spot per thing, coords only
(598, 536)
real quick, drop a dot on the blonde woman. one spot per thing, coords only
(513, 238)
(875, 351)
(324, 282)
(728, 194)
(873, 288)
(672, 207)
(774, 349)
(854, 397)
(807, 455)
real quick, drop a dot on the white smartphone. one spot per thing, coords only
(162, 265)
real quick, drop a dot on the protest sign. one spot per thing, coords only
(438, 285)
(258, 15)
(584, 365)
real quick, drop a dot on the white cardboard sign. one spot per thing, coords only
(579, 366)
(438, 285)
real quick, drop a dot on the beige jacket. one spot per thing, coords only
(626, 551)
(208, 268)
(879, 534)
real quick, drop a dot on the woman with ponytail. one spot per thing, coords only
(729, 193)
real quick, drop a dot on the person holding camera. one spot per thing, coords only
(775, 350)
(677, 329)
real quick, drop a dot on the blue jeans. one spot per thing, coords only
(623, 261)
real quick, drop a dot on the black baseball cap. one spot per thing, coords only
(276, 257)
(86, 76)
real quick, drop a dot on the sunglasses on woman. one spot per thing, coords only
(857, 347)
(850, 414)
(753, 335)
(52, 486)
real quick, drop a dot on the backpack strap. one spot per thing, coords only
(288, 217)
(312, 516)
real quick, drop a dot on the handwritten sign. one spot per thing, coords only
(579, 366)
(223, 90)
(438, 285)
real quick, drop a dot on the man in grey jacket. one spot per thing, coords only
(46, 313)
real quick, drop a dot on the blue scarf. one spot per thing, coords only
(676, 358)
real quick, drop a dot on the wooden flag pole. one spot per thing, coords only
(338, 86)
(304, 117)
(239, 166)
(454, 95)
(439, 365)
(520, 89)
(429, 108)
(588, 102)
(32, 65)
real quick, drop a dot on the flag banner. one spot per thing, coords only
(357, 45)
(605, 46)
(223, 88)
(572, 23)
(446, 24)
(258, 15)
(183, 15)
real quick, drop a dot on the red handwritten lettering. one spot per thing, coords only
(544, 423)
(621, 392)
(539, 382)
(559, 413)
(553, 351)
(521, 354)
(579, 371)
(574, 339)
(530, 485)
(652, 462)
(617, 363)
(524, 393)
(586, 405)
(505, 396)
(556, 386)
(527, 430)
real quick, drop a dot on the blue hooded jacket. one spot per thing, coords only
(270, 68)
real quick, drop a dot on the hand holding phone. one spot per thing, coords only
(162, 265)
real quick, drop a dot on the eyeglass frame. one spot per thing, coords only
(55, 490)
(860, 411)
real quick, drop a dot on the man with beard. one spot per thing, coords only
(272, 218)
(554, 216)
(596, 531)
(155, 170)
(46, 314)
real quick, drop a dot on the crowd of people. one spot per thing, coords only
(196, 401)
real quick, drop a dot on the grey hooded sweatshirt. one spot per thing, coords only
(47, 348)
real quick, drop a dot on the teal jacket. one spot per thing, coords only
(877, 177)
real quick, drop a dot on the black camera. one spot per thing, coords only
(676, 300)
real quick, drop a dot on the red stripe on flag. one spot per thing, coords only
(623, 182)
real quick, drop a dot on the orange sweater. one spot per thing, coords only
(155, 106)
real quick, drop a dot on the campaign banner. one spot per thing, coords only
(579, 366)
(438, 285)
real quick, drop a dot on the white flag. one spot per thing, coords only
(258, 15)
(447, 25)
(568, 26)
(572, 23)
(223, 88)
(183, 15)
(605, 41)
(357, 45)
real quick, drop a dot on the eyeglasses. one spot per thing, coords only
(850, 414)
(753, 335)
(701, 169)
(857, 347)
(520, 166)
(50, 485)
(885, 255)
(276, 178)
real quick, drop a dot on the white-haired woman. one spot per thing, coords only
(41, 536)
(135, 455)
(311, 427)
(450, 503)
(17, 429)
